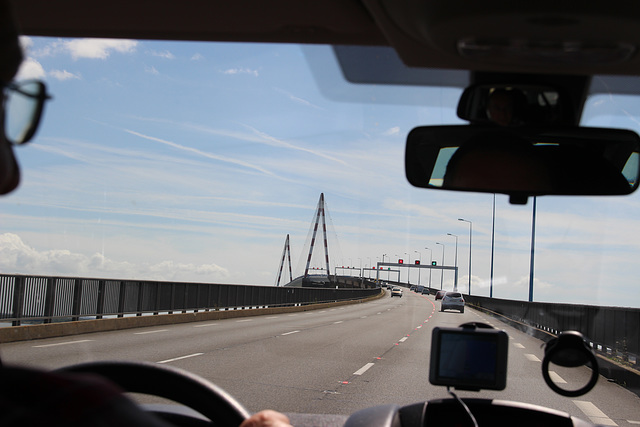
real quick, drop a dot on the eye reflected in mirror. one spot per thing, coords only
(523, 162)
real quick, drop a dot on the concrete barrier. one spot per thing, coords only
(52, 330)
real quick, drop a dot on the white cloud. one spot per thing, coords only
(392, 131)
(197, 57)
(152, 70)
(18, 257)
(98, 48)
(63, 75)
(26, 43)
(30, 69)
(240, 70)
(162, 54)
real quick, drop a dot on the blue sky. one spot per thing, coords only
(193, 161)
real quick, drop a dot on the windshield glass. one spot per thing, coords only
(193, 162)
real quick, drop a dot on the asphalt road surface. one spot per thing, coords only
(332, 361)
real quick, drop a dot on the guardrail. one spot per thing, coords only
(40, 299)
(613, 331)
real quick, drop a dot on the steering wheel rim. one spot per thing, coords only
(171, 383)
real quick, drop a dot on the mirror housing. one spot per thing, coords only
(524, 161)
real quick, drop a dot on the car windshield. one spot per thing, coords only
(185, 162)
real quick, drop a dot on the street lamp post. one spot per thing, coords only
(455, 281)
(408, 268)
(470, 228)
(419, 269)
(430, 262)
(442, 265)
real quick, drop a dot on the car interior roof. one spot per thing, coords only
(425, 33)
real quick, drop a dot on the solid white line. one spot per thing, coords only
(244, 320)
(181, 357)
(364, 369)
(292, 315)
(556, 378)
(150, 332)
(518, 345)
(204, 326)
(532, 357)
(61, 343)
(273, 317)
(594, 414)
(403, 339)
(289, 333)
(633, 422)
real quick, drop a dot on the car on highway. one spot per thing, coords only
(413, 288)
(187, 143)
(425, 290)
(396, 292)
(452, 301)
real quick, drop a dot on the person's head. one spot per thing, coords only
(22, 103)
(10, 59)
(501, 107)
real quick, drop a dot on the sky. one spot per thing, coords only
(192, 162)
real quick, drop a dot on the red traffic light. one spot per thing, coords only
(400, 261)
(417, 262)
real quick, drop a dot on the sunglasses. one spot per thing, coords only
(23, 105)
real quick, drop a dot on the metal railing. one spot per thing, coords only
(40, 299)
(611, 330)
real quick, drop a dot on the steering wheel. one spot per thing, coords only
(171, 383)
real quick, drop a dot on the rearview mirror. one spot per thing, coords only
(524, 161)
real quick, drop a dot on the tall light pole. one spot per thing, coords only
(493, 235)
(369, 275)
(470, 228)
(419, 269)
(455, 281)
(442, 265)
(384, 255)
(430, 262)
(408, 269)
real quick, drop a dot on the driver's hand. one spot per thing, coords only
(267, 418)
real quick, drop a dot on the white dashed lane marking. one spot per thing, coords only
(403, 339)
(518, 345)
(556, 378)
(364, 369)
(181, 357)
(289, 333)
(532, 357)
(150, 332)
(61, 343)
(205, 325)
(594, 414)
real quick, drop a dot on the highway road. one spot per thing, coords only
(333, 361)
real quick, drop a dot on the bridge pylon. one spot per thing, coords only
(319, 216)
(286, 253)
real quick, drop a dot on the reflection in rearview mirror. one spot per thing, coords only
(523, 162)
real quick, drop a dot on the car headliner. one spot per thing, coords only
(424, 32)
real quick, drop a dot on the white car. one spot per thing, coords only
(452, 301)
(396, 292)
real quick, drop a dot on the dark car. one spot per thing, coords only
(440, 294)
